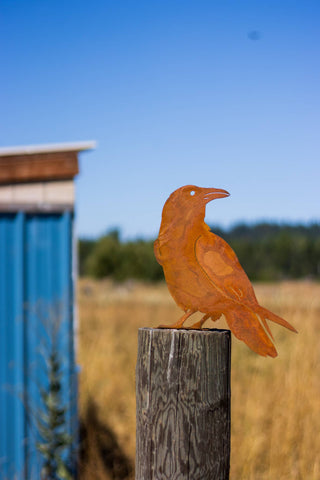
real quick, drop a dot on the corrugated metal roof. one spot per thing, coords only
(48, 148)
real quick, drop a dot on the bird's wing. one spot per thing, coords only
(223, 268)
(156, 249)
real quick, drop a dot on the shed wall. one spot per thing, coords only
(36, 308)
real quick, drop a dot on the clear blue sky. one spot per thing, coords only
(213, 93)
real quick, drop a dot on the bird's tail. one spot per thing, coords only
(264, 314)
(246, 325)
(251, 327)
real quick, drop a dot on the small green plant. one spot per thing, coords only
(50, 415)
(51, 424)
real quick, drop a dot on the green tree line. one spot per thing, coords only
(267, 251)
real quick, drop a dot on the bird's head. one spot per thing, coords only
(190, 202)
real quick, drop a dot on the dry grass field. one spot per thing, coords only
(275, 402)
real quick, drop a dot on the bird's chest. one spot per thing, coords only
(178, 254)
(181, 268)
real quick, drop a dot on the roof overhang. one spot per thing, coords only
(34, 163)
(47, 148)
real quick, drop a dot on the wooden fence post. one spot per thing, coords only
(183, 404)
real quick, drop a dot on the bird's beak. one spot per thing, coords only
(213, 193)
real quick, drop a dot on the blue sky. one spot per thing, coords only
(175, 92)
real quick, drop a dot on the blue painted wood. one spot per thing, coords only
(36, 306)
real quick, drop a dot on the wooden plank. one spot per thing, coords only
(183, 404)
(42, 166)
(48, 192)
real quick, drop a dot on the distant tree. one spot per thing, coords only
(106, 256)
(85, 247)
(267, 251)
(122, 260)
(138, 261)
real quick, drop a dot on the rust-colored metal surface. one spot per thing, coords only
(203, 273)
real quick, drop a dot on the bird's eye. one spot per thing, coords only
(192, 193)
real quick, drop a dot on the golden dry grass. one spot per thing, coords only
(275, 402)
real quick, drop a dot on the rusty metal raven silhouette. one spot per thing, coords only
(203, 273)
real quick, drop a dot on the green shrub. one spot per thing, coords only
(267, 251)
(122, 260)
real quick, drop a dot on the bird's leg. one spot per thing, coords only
(180, 322)
(198, 325)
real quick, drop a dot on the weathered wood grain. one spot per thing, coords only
(40, 166)
(183, 404)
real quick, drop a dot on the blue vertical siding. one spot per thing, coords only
(36, 305)
(12, 417)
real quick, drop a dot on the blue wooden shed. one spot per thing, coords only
(37, 273)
